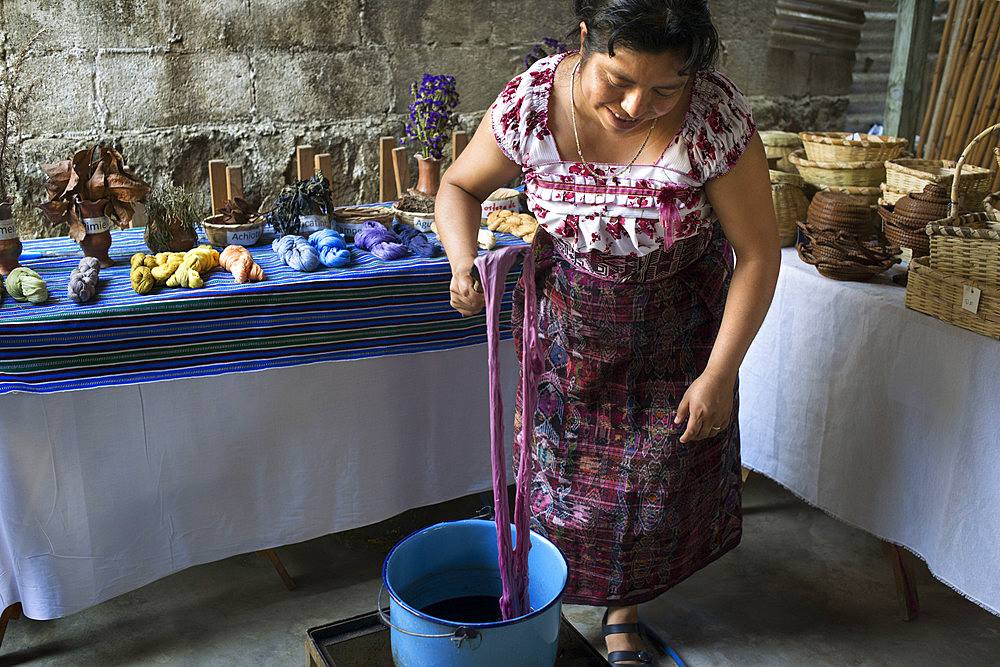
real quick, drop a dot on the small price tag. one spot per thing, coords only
(970, 298)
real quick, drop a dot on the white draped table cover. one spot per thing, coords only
(883, 417)
(105, 490)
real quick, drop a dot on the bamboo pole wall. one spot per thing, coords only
(965, 94)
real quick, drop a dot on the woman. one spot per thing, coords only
(644, 169)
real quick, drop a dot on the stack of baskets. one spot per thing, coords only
(778, 144)
(790, 204)
(842, 162)
(837, 239)
(959, 282)
(905, 175)
(904, 223)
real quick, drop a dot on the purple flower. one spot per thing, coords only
(434, 100)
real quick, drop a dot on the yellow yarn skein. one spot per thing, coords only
(185, 276)
(162, 272)
(142, 279)
(142, 259)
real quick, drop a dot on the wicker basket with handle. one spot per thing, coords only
(942, 295)
(911, 175)
(960, 282)
(966, 252)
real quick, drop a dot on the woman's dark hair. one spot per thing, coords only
(651, 26)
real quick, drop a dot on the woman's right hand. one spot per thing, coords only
(464, 297)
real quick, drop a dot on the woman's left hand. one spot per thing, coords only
(707, 406)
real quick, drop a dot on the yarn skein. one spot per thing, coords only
(332, 248)
(25, 285)
(83, 280)
(237, 260)
(296, 252)
(415, 241)
(378, 240)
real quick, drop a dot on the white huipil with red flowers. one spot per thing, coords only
(650, 206)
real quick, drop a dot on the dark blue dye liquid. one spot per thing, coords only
(467, 609)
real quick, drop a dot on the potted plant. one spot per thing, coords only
(92, 191)
(15, 94)
(171, 213)
(302, 207)
(432, 115)
(237, 223)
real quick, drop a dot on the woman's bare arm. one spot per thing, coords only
(479, 170)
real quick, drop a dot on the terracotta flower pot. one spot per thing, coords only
(10, 240)
(172, 236)
(97, 239)
(428, 175)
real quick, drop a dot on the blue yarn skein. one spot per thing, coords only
(415, 241)
(380, 241)
(332, 248)
(296, 252)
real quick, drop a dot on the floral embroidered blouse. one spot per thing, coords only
(650, 205)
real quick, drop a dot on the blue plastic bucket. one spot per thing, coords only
(457, 560)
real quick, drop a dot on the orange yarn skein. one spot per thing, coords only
(237, 260)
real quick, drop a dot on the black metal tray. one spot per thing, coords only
(363, 641)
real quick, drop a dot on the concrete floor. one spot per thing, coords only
(802, 589)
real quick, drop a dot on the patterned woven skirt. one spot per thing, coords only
(633, 509)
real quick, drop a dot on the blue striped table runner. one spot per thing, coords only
(368, 309)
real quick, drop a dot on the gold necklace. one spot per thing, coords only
(572, 115)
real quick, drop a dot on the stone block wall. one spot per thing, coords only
(175, 83)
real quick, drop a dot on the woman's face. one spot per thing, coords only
(625, 91)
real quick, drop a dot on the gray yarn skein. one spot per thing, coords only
(83, 280)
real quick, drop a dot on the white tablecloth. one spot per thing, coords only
(882, 416)
(105, 490)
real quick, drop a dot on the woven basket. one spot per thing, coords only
(967, 248)
(836, 147)
(939, 294)
(786, 178)
(912, 174)
(790, 206)
(870, 195)
(915, 240)
(359, 214)
(891, 195)
(991, 205)
(780, 145)
(864, 174)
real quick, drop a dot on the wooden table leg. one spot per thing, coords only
(906, 583)
(11, 613)
(282, 572)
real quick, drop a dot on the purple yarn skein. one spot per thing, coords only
(415, 241)
(380, 241)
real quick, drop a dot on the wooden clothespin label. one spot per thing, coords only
(970, 298)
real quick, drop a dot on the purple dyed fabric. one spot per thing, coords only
(493, 269)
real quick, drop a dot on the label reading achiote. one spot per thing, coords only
(97, 225)
(248, 237)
